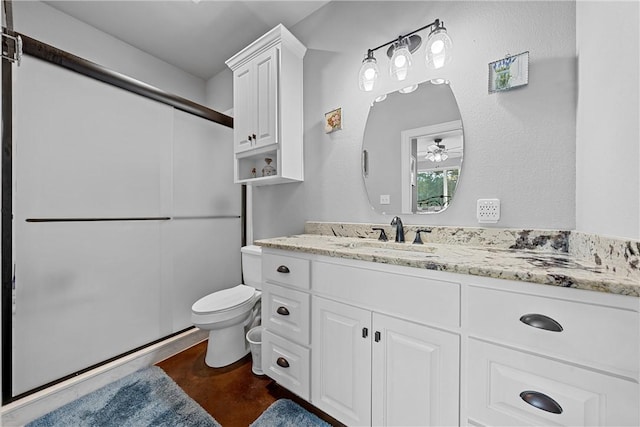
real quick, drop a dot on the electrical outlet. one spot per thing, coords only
(385, 199)
(488, 210)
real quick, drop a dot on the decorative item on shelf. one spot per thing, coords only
(253, 172)
(509, 72)
(437, 54)
(268, 170)
(333, 120)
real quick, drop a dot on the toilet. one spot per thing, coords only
(228, 314)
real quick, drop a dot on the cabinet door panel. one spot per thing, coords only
(341, 364)
(243, 107)
(415, 374)
(266, 92)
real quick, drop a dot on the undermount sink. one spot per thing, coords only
(388, 247)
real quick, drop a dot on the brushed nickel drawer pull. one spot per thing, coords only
(541, 401)
(282, 311)
(283, 269)
(282, 362)
(541, 321)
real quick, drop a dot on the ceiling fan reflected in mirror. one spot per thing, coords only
(437, 152)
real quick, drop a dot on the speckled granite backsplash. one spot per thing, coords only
(620, 256)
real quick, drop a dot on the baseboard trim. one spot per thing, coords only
(22, 411)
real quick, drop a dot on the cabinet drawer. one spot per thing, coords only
(287, 363)
(501, 379)
(286, 312)
(286, 270)
(598, 336)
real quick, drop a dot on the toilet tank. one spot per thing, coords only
(252, 266)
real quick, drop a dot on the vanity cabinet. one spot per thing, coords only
(379, 344)
(267, 98)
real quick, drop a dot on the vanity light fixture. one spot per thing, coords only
(438, 54)
(437, 152)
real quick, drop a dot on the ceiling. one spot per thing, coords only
(196, 37)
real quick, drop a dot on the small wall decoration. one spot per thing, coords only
(333, 120)
(509, 72)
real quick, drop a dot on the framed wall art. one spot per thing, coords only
(333, 120)
(509, 72)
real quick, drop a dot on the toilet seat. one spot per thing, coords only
(226, 299)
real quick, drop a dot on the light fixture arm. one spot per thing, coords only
(437, 23)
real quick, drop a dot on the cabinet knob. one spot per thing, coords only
(283, 269)
(282, 311)
(541, 321)
(282, 362)
(541, 401)
(254, 136)
(249, 137)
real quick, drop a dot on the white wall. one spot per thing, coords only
(46, 24)
(608, 137)
(519, 145)
(219, 92)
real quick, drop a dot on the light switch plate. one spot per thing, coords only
(488, 210)
(385, 199)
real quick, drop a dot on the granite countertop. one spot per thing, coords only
(554, 268)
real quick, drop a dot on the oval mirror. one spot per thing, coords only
(412, 150)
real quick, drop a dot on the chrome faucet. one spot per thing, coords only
(399, 229)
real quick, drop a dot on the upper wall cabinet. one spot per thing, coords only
(267, 100)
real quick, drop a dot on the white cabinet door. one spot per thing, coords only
(415, 374)
(341, 363)
(256, 102)
(243, 106)
(266, 101)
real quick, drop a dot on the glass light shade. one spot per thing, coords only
(400, 62)
(368, 74)
(381, 98)
(439, 49)
(408, 89)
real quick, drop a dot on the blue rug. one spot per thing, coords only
(285, 413)
(145, 398)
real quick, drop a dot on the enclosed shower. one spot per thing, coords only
(124, 214)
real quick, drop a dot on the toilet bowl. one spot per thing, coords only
(228, 314)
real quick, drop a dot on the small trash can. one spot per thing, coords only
(254, 336)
